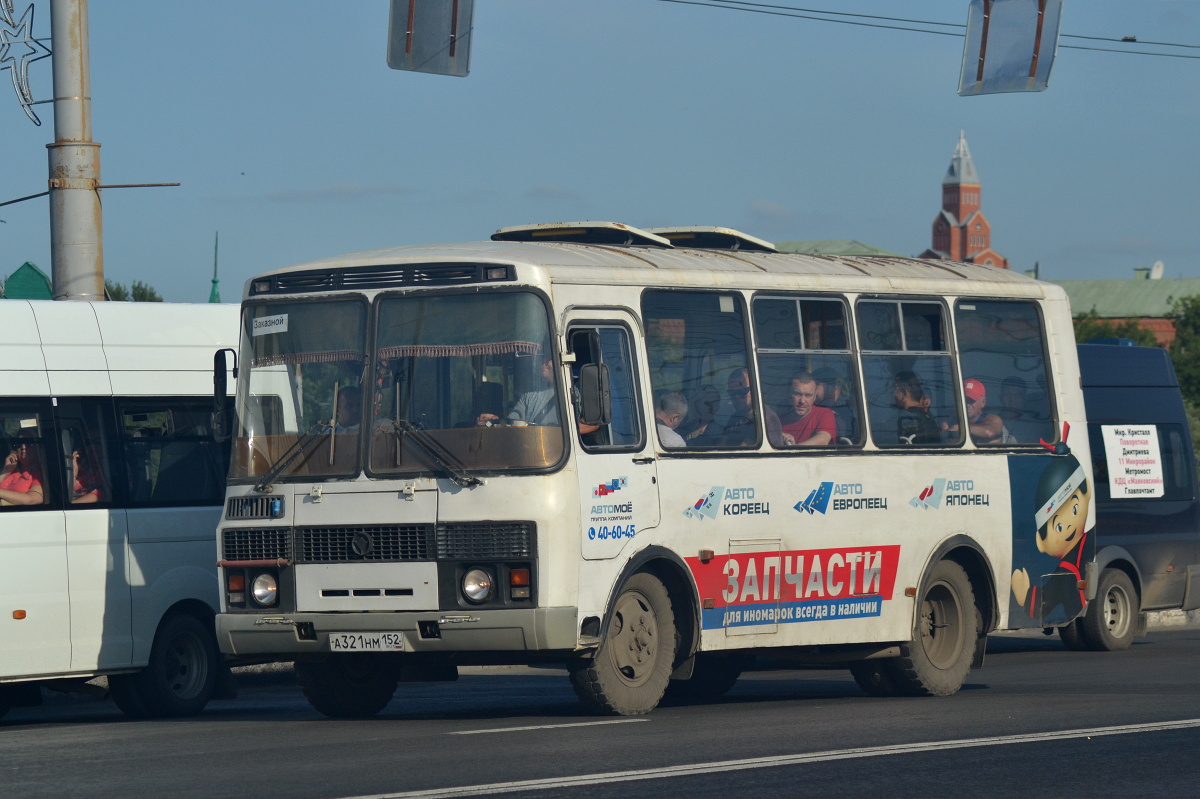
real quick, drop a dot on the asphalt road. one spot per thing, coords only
(1035, 721)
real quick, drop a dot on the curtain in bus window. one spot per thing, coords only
(697, 346)
(1001, 348)
(908, 374)
(24, 476)
(807, 371)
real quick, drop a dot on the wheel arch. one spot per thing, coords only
(675, 576)
(1115, 557)
(967, 553)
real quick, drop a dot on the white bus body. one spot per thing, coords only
(108, 501)
(466, 525)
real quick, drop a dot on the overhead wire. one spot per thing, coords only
(857, 19)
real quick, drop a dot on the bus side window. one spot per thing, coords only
(1001, 345)
(696, 343)
(911, 395)
(171, 456)
(25, 474)
(85, 450)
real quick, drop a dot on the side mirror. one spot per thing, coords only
(595, 397)
(222, 407)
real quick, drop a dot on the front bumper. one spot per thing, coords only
(523, 630)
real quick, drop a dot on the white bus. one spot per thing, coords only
(648, 455)
(109, 494)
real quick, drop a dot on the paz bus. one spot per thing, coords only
(110, 491)
(648, 455)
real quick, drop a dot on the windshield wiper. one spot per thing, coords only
(293, 452)
(441, 456)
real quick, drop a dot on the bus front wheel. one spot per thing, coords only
(349, 685)
(936, 661)
(629, 672)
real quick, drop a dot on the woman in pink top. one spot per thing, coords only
(20, 479)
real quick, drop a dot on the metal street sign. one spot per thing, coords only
(431, 36)
(1010, 46)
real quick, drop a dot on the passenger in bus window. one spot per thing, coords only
(698, 429)
(986, 428)
(915, 424)
(87, 484)
(670, 410)
(21, 477)
(740, 430)
(834, 393)
(805, 422)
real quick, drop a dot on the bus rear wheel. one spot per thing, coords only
(348, 685)
(713, 674)
(1111, 618)
(936, 661)
(180, 677)
(628, 674)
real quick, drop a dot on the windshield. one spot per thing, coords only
(473, 373)
(300, 399)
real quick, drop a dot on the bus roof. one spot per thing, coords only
(578, 260)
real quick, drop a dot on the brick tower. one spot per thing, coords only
(961, 232)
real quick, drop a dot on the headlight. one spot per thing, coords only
(477, 585)
(264, 589)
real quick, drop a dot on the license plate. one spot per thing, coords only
(366, 642)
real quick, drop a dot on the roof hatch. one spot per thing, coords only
(582, 233)
(703, 237)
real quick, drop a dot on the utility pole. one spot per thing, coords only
(76, 240)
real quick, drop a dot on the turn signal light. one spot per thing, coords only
(18, 614)
(236, 582)
(518, 581)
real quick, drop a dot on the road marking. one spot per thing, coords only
(772, 762)
(547, 726)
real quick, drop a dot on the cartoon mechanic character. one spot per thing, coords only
(1062, 514)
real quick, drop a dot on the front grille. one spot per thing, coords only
(263, 507)
(370, 543)
(472, 540)
(269, 544)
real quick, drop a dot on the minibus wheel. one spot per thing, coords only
(628, 674)
(1111, 618)
(936, 661)
(180, 677)
(349, 685)
(877, 677)
(1073, 637)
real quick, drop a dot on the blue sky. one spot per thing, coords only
(292, 137)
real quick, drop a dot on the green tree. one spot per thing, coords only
(138, 292)
(1185, 349)
(1089, 325)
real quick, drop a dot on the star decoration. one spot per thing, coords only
(18, 49)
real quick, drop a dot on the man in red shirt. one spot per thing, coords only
(808, 424)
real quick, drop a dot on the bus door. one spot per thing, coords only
(35, 604)
(618, 476)
(97, 535)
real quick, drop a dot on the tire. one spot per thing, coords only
(180, 677)
(1111, 618)
(350, 685)
(936, 661)
(1072, 636)
(877, 677)
(629, 673)
(713, 675)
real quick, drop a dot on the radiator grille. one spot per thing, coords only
(268, 544)
(370, 543)
(485, 540)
